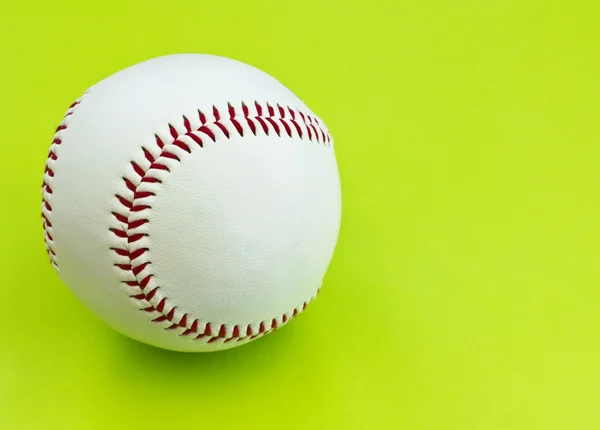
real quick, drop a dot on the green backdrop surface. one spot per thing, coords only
(465, 288)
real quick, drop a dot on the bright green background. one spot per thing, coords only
(464, 293)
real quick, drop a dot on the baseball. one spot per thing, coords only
(192, 202)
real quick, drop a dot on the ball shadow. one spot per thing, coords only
(135, 361)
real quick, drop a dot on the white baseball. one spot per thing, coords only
(192, 202)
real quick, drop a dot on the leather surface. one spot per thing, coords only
(240, 230)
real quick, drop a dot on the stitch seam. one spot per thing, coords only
(47, 190)
(134, 265)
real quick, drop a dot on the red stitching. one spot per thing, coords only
(222, 125)
(47, 190)
(279, 119)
